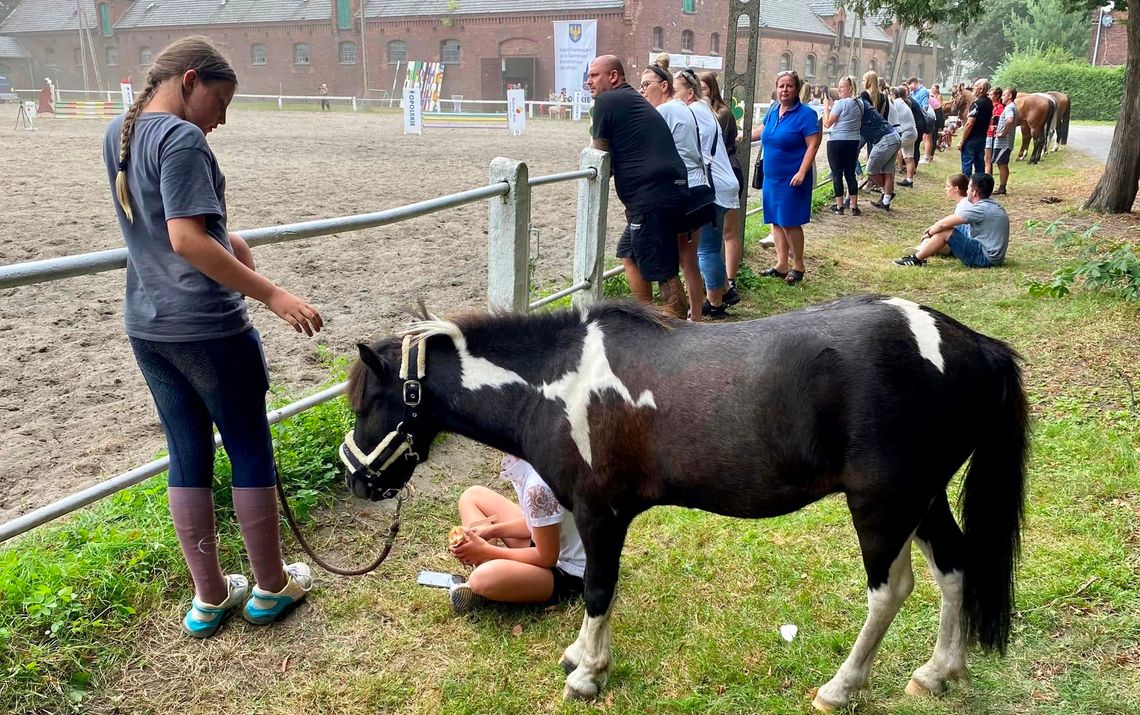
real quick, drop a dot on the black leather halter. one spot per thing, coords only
(364, 478)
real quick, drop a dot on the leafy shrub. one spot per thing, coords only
(1095, 92)
(1103, 265)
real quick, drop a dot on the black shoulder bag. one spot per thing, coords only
(701, 209)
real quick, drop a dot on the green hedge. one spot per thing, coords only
(1095, 92)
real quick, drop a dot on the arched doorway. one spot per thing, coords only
(516, 66)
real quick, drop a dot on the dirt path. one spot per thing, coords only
(73, 407)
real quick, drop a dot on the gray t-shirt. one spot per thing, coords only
(172, 173)
(849, 117)
(1008, 118)
(989, 226)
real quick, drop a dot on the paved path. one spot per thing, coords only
(1091, 140)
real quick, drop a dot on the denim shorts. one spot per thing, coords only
(968, 250)
(198, 384)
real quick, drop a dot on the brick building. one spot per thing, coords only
(1109, 42)
(292, 46)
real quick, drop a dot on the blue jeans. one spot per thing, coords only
(710, 252)
(198, 384)
(968, 250)
(974, 156)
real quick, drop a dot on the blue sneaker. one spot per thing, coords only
(203, 619)
(265, 607)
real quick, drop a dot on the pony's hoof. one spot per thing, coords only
(917, 689)
(580, 687)
(822, 705)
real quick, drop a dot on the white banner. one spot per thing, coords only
(516, 111)
(128, 93)
(683, 61)
(581, 105)
(575, 47)
(413, 117)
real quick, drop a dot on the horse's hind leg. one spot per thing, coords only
(942, 544)
(588, 660)
(884, 535)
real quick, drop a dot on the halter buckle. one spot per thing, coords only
(412, 393)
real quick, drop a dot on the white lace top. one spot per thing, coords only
(541, 508)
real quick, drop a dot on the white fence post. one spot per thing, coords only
(590, 226)
(508, 238)
(354, 104)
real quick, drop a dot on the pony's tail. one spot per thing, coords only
(1063, 123)
(992, 502)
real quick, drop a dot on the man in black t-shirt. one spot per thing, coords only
(973, 146)
(650, 179)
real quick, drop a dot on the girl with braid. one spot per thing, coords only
(190, 333)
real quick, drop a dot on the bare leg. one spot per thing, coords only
(990, 161)
(934, 244)
(733, 246)
(782, 248)
(479, 502)
(694, 285)
(673, 296)
(1003, 174)
(509, 581)
(910, 168)
(639, 288)
(795, 238)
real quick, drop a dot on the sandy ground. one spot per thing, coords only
(73, 407)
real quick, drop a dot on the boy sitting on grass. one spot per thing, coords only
(542, 558)
(988, 237)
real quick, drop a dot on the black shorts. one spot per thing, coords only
(1001, 155)
(566, 586)
(650, 241)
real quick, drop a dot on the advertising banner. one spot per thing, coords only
(516, 111)
(413, 116)
(575, 47)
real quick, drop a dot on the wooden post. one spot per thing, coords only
(508, 234)
(590, 228)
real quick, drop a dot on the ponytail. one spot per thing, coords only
(122, 191)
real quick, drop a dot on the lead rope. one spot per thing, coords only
(393, 529)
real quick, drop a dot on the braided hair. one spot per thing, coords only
(188, 53)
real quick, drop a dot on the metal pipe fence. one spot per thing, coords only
(508, 279)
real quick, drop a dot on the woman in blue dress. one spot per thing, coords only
(790, 136)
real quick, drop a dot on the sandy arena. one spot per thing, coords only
(73, 407)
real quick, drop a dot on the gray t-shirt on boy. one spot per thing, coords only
(849, 116)
(171, 173)
(1008, 118)
(989, 226)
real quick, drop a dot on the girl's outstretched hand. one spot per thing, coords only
(296, 312)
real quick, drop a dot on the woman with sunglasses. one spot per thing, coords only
(657, 87)
(790, 135)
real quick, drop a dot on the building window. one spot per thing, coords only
(809, 66)
(714, 44)
(922, 71)
(258, 54)
(105, 20)
(906, 69)
(658, 39)
(689, 7)
(144, 56)
(687, 41)
(343, 15)
(301, 53)
(853, 66)
(49, 56)
(449, 53)
(112, 56)
(872, 65)
(889, 68)
(397, 52)
(832, 66)
(348, 53)
(786, 62)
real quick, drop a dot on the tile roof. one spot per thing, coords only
(823, 8)
(412, 8)
(792, 16)
(162, 13)
(48, 16)
(10, 48)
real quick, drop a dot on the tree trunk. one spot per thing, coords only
(1116, 190)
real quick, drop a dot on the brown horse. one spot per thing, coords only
(959, 103)
(1038, 115)
(819, 91)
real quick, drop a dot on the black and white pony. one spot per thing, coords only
(620, 410)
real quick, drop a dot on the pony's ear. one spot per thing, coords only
(372, 359)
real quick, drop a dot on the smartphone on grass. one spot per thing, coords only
(438, 579)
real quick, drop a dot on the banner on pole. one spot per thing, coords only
(581, 105)
(127, 91)
(516, 111)
(575, 47)
(413, 116)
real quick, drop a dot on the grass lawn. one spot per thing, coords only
(88, 617)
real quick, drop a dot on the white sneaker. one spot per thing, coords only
(768, 242)
(204, 619)
(464, 599)
(265, 607)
